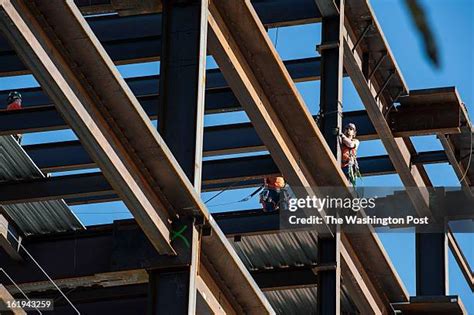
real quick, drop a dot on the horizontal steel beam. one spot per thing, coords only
(102, 254)
(121, 299)
(70, 155)
(103, 257)
(138, 38)
(218, 140)
(219, 97)
(54, 57)
(40, 115)
(217, 174)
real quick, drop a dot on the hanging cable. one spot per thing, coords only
(468, 162)
(18, 288)
(226, 188)
(470, 150)
(276, 37)
(41, 268)
(247, 198)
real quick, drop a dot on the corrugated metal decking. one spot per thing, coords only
(36, 217)
(289, 249)
(294, 301)
(303, 301)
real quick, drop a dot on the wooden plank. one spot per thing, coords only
(107, 279)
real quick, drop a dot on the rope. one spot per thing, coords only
(247, 198)
(225, 189)
(468, 163)
(41, 268)
(18, 288)
(388, 111)
(276, 37)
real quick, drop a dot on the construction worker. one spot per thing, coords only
(349, 146)
(14, 103)
(274, 195)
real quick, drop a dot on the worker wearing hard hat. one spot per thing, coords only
(349, 146)
(274, 194)
(14, 103)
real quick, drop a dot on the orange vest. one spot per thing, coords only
(274, 182)
(348, 154)
(14, 106)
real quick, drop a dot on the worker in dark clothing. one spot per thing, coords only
(14, 103)
(274, 195)
(349, 146)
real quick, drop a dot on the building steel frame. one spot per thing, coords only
(160, 173)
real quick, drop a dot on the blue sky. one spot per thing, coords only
(453, 25)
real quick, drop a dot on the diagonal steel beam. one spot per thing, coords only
(461, 260)
(57, 44)
(6, 300)
(87, 113)
(259, 80)
(398, 149)
(299, 152)
(133, 39)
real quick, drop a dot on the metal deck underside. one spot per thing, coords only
(39, 217)
(288, 249)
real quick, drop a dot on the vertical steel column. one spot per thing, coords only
(181, 124)
(182, 83)
(329, 275)
(331, 50)
(431, 264)
(173, 291)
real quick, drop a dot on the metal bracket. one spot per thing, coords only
(325, 267)
(377, 65)
(206, 230)
(361, 37)
(325, 46)
(400, 92)
(387, 81)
